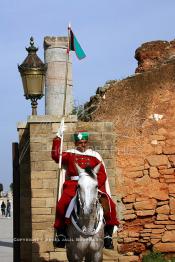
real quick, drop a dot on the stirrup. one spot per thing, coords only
(60, 241)
(108, 243)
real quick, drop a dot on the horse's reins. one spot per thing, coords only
(100, 221)
(95, 231)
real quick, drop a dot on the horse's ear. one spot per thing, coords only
(96, 168)
(79, 169)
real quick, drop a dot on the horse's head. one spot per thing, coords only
(88, 188)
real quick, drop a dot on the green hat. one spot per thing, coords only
(81, 135)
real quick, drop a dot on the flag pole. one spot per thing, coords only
(66, 73)
(61, 179)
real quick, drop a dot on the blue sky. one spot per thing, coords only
(109, 32)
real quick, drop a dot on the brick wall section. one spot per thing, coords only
(142, 108)
(43, 178)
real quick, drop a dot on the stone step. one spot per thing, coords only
(108, 255)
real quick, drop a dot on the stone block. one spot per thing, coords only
(172, 160)
(169, 236)
(44, 166)
(161, 203)
(111, 172)
(158, 236)
(40, 156)
(164, 247)
(110, 255)
(38, 234)
(146, 231)
(129, 206)
(162, 217)
(43, 218)
(136, 168)
(128, 259)
(41, 128)
(167, 171)
(41, 225)
(50, 183)
(68, 137)
(153, 172)
(171, 188)
(107, 153)
(145, 213)
(158, 149)
(146, 204)
(170, 180)
(39, 139)
(127, 212)
(109, 136)
(38, 202)
(44, 174)
(50, 202)
(36, 183)
(95, 136)
(129, 198)
(42, 193)
(164, 222)
(172, 205)
(172, 217)
(109, 163)
(42, 246)
(112, 181)
(39, 147)
(169, 150)
(41, 211)
(157, 137)
(154, 241)
(130, 216)
(135, 174)
(145, 172)
(41, 257)
(170, 227)
(130, 239)
(158, 230)
(152, 225)
(163, 209)
(61, 255)
(157, 160)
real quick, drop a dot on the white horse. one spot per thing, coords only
(86, 232)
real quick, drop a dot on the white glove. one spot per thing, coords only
(61, 129)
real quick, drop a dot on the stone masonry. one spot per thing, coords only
(142, 109)
(59, 66)
(39, 176)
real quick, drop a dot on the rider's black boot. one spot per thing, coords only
(60, 238)
(108, 231)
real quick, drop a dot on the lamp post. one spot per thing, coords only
(33, 72)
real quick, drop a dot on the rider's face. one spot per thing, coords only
(81, 145)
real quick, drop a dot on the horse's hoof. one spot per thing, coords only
(60, 241)
(108, 244)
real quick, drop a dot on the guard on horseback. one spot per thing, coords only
(86, 159)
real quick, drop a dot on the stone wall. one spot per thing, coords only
(142, 109)
(39, 176)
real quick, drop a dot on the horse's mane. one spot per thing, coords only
(89, 171)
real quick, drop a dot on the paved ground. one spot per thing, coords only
(6, 239)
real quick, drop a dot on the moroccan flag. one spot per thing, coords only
(75, 46)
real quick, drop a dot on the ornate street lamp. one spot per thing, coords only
(32, 72)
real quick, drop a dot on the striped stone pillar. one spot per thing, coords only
(55, 52)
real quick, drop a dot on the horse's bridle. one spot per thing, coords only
(99, 218)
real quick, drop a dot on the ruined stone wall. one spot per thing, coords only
(142, 109)
(39, 181)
